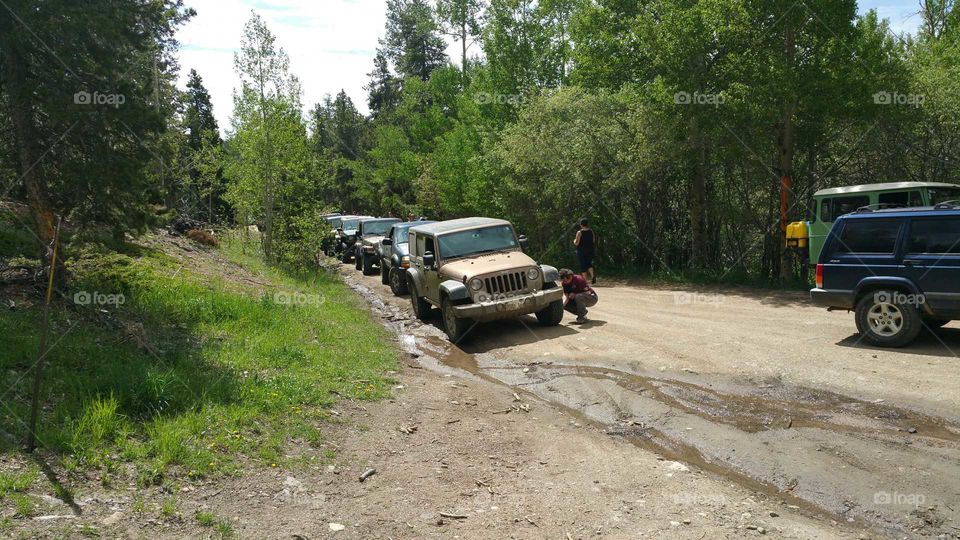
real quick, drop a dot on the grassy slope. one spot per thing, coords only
(188, 374)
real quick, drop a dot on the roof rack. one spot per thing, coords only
(878, 206)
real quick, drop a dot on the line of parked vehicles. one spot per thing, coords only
(890, 253)
(473, 269)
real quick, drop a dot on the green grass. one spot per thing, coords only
(206, 519)
(224, 529)
(189, 372)
(23, 505)
(16, 483)
(168, 508)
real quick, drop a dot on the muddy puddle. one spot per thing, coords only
(864, 464)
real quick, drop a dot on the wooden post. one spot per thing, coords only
(41, 353)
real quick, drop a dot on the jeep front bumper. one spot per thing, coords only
(515, 306)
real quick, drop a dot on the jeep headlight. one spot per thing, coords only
(476, 284)
(533, 274)
(405, 261)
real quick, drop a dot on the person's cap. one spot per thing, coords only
(565, 273)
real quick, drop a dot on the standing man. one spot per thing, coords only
(411, 217)
(577, 295)
(586, 244)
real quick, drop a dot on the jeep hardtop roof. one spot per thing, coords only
(409, 224)
(891, 186)
(453, 225)
(379, 220)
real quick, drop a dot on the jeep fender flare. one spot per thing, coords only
(394, 261)
(413, 280)
(454, 290)
(550, 273)
(874, 283)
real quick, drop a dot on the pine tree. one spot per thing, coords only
(412, 41)
(383, 89)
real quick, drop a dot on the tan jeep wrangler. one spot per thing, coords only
(474, 270)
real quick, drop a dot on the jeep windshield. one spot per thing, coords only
(942, 195)
(377, 228)
(350, 224)
(477, 242)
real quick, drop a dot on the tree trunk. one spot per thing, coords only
(785, 150)
(463, 45)
(698, 196)
(27, 138)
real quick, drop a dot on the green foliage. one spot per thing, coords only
(412, 40)
(190, 371)
(88, 104)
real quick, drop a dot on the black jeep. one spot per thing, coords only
(899, 270)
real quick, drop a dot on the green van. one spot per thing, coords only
(829, 204)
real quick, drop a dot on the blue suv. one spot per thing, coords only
(897, 269)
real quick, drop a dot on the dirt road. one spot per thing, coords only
(759, 388)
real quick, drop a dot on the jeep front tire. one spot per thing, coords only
(397, 284)
(421, 308)
(367, 265)
(551, 315)
(384, 273)
(454, 326)
(883, 319)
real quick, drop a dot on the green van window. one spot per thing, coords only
(835, 207)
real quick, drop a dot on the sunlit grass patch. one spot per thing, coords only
(189, 372)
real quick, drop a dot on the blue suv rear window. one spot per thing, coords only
(937, 236)
(872, 237)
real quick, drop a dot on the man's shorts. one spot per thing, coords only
(586, 262)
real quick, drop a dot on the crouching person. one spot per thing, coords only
(577, 295)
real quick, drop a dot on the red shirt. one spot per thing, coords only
(578, 285)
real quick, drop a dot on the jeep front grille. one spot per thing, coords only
(506, 283)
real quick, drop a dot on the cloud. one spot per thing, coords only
(331, 44)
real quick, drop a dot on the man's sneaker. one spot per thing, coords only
(581, 320)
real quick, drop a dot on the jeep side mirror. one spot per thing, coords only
(524, 242)
(387, 242)
(429, 259)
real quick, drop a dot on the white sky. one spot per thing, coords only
(331, 43)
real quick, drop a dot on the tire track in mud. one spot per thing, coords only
(869, 464)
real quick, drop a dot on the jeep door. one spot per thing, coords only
(932, 261)
(860, 249)
(431, 276)
(387, 251)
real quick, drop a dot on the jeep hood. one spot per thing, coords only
(372, 239)
(485, 264)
